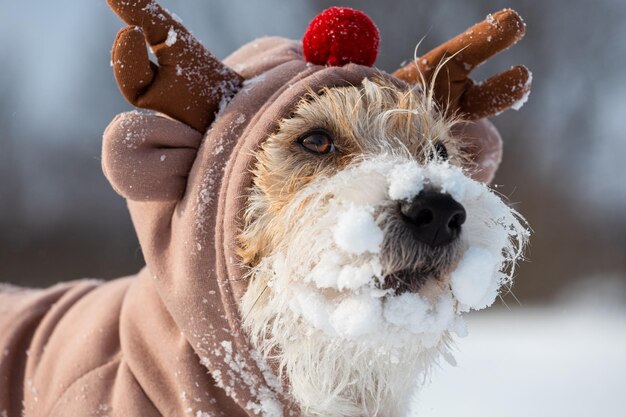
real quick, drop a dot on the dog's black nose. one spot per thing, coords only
(434, 218)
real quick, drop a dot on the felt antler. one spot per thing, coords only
(452, 87)
(188, 84)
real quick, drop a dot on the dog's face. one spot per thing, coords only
(366, 240)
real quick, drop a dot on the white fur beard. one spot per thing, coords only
(348, 347)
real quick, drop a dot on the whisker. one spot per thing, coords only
(515, 297)
(255, 302)
(504, 302)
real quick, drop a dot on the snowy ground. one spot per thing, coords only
(534, 363)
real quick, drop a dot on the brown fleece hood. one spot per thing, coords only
(168, 341)
(189, 235)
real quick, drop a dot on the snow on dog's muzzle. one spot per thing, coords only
(346, 238)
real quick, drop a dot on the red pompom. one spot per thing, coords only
(340, 35)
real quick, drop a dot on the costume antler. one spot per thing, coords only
(188, 84)
(459, 56)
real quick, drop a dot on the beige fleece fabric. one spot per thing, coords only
(168, 341)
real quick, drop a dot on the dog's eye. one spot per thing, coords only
(440, 152)
(318, 142)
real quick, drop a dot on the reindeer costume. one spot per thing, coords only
(168, 341)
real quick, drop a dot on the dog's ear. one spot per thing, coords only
(446, 69)
(188, 84)
(147, 157)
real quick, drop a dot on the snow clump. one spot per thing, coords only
(331, 265)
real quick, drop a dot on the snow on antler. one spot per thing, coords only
(188, 84)
(446, 68)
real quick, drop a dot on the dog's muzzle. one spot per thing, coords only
(425, 237)
(434, 218)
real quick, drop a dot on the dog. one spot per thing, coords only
(366, 242)
(314, 228)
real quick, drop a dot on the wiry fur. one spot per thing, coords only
(376, 119)
(329, 375)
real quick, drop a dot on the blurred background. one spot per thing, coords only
(563, 169)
